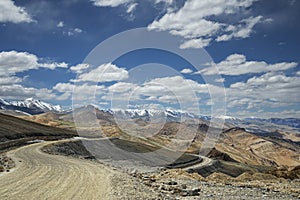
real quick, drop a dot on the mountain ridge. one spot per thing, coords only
(31, 106)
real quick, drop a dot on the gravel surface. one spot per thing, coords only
(40, 175)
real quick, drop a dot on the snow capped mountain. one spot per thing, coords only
(33, 106)
(172, 115)
(226, 117)
(36, 104)
(177, 116)
(30, 106)
(3, 102)
(168, 114)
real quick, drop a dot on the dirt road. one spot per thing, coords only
(205, 162)
(42, 176)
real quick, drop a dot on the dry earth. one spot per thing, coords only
(42, 176)
(39, 175)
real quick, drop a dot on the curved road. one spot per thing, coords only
(39, 175)
(205, 162)
(42, 176)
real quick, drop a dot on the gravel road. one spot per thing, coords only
(43, 176)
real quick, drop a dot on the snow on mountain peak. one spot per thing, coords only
(2, 101)
(32, 103)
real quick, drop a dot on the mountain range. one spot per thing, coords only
(31, 106)
(248, 141)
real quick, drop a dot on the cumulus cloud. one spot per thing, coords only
(131, 7)
(9, 80)
(53, 65)
(186, 71)
(122, 87)
(172, 89)
(60, 24)
(242, 30)
(195, 43)
(9, 12)
(12, 62)
(163, 1)
(269, 80)
(193, 22)
(16, 91)
(79, 91)
(73, 31)
(236, 64)
(79, 68)
(220, 80)
(103, 73)
(110, 3)
(273, 90)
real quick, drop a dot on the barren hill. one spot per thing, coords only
(15, 131)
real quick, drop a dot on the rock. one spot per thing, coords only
(183, 186)
(1, 169)
(172, 183)
(193, 192)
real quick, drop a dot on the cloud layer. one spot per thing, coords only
(12, 63)
(9, 12)
(197, 22)
(236, 64)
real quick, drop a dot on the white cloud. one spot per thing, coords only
(269, 80)
(131, 7)
(104, 73)
(110, 3)
(186, 71)
(129, 4)
(17, 91)
(195, 43)
(298, 73)
(9, 12)
(220, 80)
(73, 31)
(270, 90)
(236, 64)
(78, 30)
(164, 90)
(192, 22)
(242, 30)
(53, 65)
(9, 80)
(12, 62)
(176, 86)
(60, 24)
(79, 68)
(122, 87)
(164, 1)
(80, 91)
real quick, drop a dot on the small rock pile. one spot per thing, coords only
(178, 184)
(6, 163)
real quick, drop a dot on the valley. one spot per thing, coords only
(48, 153)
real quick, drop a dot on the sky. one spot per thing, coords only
(247, 64)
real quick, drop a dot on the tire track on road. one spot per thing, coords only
(44, 176)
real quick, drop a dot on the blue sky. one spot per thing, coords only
(255, 45)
